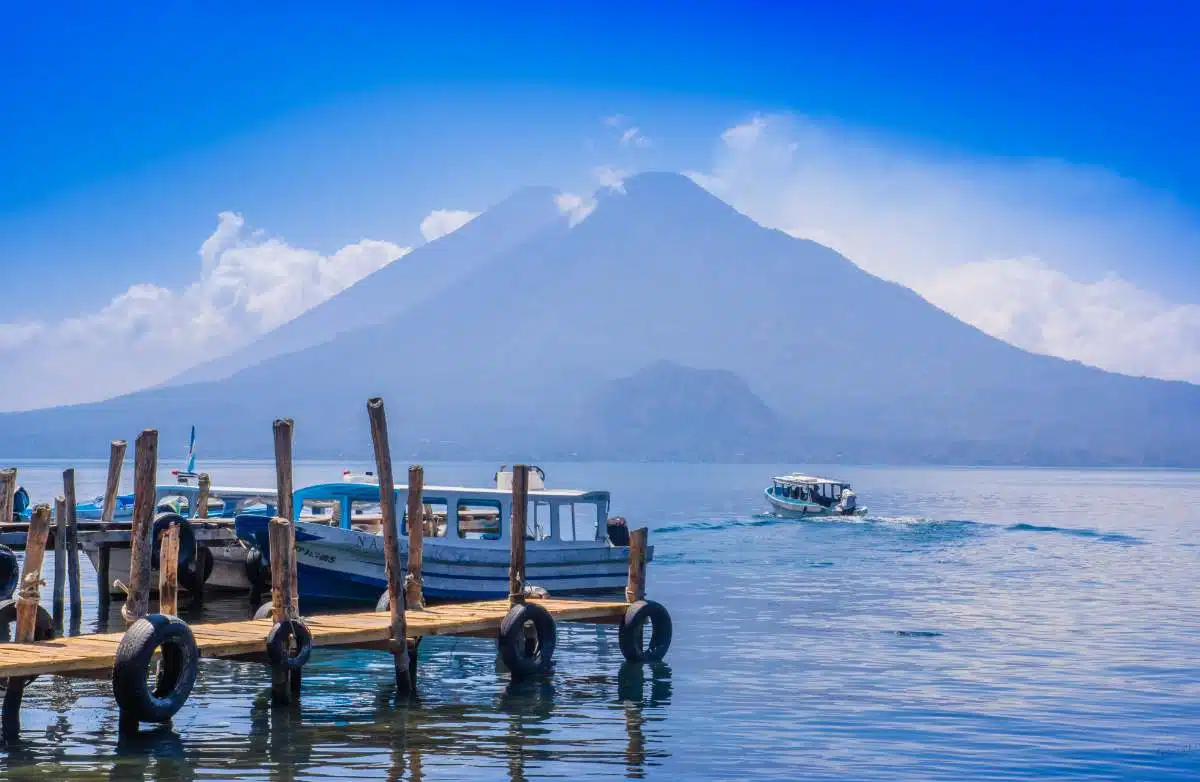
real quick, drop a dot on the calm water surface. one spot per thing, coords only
(981, 624)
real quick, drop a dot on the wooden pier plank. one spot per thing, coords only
(228, 639)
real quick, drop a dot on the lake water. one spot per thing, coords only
(980, 624)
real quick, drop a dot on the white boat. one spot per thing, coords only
(803, 496)
(573, 546)
(215, 533)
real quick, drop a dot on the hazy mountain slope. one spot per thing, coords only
(512, 361)
(388, 291)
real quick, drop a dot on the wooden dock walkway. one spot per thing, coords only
(90, 653)
(154, 664)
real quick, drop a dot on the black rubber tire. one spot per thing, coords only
(176, 677)
(10, 573)
(198, 572)
(631, 632)
(256, 567)
(383, 604)
(43, 629)
(527, 657)
(277, 651)
(264, 610)
(187, 541)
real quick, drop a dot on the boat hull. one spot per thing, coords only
(799, 509)
(337, 564)
(229, 558)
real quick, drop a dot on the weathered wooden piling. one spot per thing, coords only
(141, 542)
(283, 567)
(116, 459)
(72, 548)
(28, 603)
(8, 489)
(60, 556)
(516, 562)
(414, 587)
(391, 545)
(205, 484)
(635, 586)
(29, 592)
(284, 429)
(168, 572)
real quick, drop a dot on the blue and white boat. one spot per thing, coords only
(573, 546)
(804, 496)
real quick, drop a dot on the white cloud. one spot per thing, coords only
(616, 121)
(440, 222)
(611, 177)
(248, 284)
(633, 137)
(937, 223)
(1110, 323)
(575, 206)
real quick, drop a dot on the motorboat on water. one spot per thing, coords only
(573, 545)
(803, 496)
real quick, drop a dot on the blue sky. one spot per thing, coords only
(126, 131)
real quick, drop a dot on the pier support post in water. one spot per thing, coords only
(414, 588)
(116, 459)
(635, 586)
(141, 543)
(202, 500)
(168, 572)
(28, 609)
(405, 682)
(72, 547)
(284, 683)
(60, 557)
(284, 429)
(516, 562)
(8, 491)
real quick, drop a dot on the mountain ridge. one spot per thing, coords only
(508, 359)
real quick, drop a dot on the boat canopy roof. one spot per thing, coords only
(799, 479)
(225, 492)
(370, 491)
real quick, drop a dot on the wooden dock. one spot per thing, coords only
(86, 654)
(154, 664)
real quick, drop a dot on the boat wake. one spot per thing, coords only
(1091, 534)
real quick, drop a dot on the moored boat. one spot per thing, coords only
(573, 547)
(214, 534)
(801, 496)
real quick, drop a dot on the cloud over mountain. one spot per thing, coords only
(1009, 246)
(248, 283)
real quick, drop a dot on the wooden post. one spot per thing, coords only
(282, 564)
(8, 490)
(202, 499)
(28, 597)
(72, 547)
(116, 460)
(414, 595)
(103, 584)
(391, 543)
(280, 537)
(635, 587)
(60, 556)
(141, 544)
(29, 592)
(516, 562)
(168, 572)
(284, 435)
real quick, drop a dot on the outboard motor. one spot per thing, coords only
(618, 531)
(848, 503)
